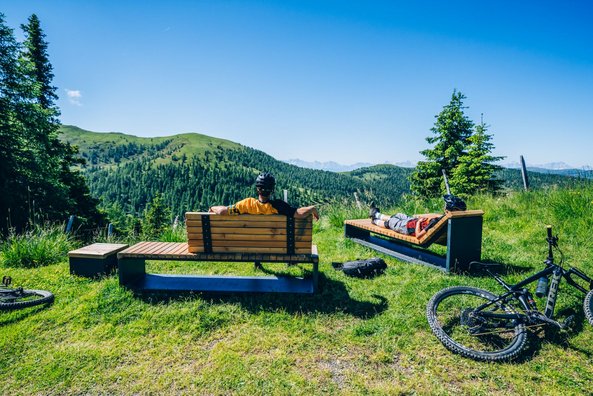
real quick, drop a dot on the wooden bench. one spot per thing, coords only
(95, 260)
(244, 238)
(460, 232)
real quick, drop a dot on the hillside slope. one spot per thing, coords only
(195, 171)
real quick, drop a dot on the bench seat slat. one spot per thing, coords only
(180, 252)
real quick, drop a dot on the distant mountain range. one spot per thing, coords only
(336, 167)
(556, 168)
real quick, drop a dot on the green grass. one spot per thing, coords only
(358, 336)
(37, 247)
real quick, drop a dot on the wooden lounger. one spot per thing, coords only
(244, 238)
(460, 232)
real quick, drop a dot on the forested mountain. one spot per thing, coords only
(194, 171)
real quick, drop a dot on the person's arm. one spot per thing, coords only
(219, 210)
(305, 211)
(419, 233)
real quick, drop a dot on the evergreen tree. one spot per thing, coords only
(476, 169)
(451, 132)
(63, 188)
(156, 218)
(12, 136)
(36, 176)
(36, 52)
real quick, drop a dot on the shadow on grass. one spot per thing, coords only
(480, 269)
(14, 316)
(332, 298)
(554, 336)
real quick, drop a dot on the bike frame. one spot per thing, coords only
(519, 292)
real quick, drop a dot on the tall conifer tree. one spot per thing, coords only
(12, 135)
(476, 169)
(451, 132)
(64, 188)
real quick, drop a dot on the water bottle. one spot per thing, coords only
(542, 287)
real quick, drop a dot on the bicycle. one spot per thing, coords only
(484, 326)
(17, 298)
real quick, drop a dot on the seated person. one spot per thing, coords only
(404, 224)
(265, 184)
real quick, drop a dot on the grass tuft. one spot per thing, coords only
(37, 247)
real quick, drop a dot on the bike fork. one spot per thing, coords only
(553, 293)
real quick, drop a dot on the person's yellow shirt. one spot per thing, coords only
(252, 206)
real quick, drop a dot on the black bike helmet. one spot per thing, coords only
(265, 182)
(453, 203)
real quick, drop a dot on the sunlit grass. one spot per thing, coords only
(357, 336)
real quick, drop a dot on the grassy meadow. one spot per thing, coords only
(357, 336)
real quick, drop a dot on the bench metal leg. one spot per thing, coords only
(131, 271)
(355, 232)
(464, 243)
(315, 277)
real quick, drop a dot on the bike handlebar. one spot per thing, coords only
(549, 231)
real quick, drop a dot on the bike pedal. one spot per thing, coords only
(568, 322)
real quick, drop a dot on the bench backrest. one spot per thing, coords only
(211, 233)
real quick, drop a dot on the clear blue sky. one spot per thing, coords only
(326, 80)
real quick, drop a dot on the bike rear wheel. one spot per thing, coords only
(453, 318)
(11, 299)
(588, 305)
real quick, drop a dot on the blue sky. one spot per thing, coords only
(326, 80)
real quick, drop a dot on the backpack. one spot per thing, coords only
(367, 268)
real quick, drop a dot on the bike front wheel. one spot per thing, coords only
(588, 305)
(454, 318)
(11, 299)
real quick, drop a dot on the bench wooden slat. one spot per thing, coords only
(197, 216)
(247, 237)
(248, 224)
(263, 244)
(168, 249)
(142, 247)
(156, 247)
(250, 231)
(97, 250)
(242, 249)
(180, 252)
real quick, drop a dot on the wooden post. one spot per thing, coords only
(357, 201)
(70, 224)
(524, 174)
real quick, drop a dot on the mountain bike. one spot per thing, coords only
(17, 298)
(484, 326)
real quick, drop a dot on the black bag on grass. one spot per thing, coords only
(362, 268)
